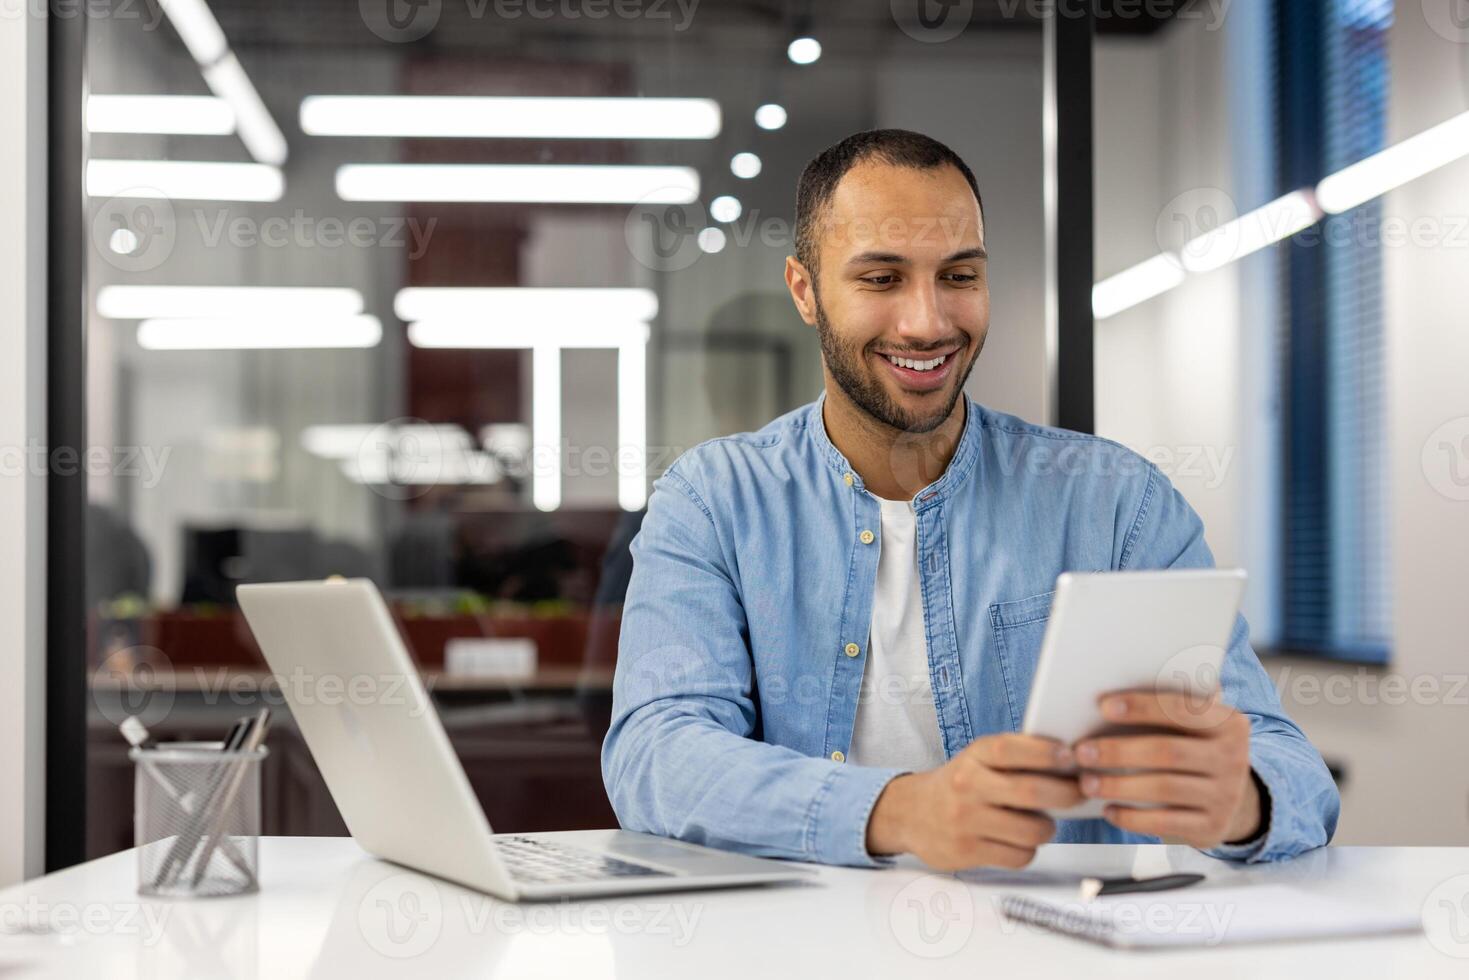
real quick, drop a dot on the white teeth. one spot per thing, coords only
(911, 364)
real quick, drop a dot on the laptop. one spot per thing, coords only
(362, 708)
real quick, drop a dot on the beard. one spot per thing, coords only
(848, 366)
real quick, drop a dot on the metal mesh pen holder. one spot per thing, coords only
(196, 819)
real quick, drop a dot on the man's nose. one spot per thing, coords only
(922, 320)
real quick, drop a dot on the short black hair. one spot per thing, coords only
(897, 147)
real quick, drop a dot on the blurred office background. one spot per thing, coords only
(337, 404)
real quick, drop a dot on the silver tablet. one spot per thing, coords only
(1115, 631)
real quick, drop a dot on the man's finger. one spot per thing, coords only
(1175, 789)
(997, 854)
(1030, 791)
(1012, 751)
(1018, 827)
(1175, 753)
(1190, 825)
(1167, 709)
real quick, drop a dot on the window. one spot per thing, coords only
(1332, 106)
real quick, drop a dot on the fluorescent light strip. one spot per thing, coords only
(1251, 232)
(524, 303)
(1395, 166)
(1347, 188)
(632, 426)
(517, 183)
(258, 131)
(202, 302)
(222, 72)
(260, 334)
(1132, 286)
(197, 27)
(170, 115)
(184, 180)
(456, 334)
(546, 427)
(482, 117)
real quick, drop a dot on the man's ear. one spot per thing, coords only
(803, 289)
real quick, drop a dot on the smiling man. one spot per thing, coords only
(832, 623)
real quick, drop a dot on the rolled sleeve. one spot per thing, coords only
(1304, 802)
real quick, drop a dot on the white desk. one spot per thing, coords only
(328, 910)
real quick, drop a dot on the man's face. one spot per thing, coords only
(902, 302)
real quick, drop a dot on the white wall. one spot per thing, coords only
(1176, 115)
(981, 95)
(22, 423)
(1409, 780)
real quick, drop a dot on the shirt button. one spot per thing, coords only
(852, 649)
(838, 756)
(847, 479)
(867, 537)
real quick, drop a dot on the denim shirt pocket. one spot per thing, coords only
(1019, 626)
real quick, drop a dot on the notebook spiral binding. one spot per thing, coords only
(1048, 916)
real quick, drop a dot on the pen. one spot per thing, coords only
(222, 810)
(139, 737)
(1092, 887)
(185, 842)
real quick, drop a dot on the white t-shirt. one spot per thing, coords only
(897, 725)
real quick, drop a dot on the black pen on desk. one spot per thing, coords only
(1092, 887)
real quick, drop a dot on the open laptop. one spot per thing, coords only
(362, 708)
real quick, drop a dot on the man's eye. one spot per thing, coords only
(885, 279)
(961, 277)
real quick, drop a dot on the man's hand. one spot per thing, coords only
(977, 808)
(1198, 768)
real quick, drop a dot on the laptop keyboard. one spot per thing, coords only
(542, 862)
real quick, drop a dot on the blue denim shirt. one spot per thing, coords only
(745, 628)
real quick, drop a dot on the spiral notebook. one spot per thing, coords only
(1206, 917)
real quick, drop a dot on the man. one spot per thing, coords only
(832, 623)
